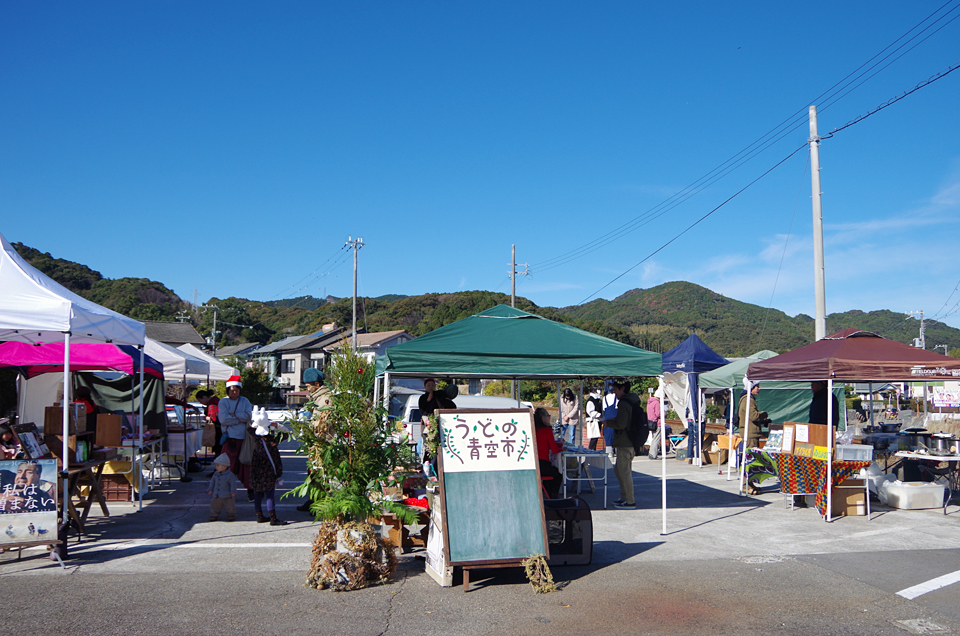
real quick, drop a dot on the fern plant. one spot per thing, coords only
(350, 454)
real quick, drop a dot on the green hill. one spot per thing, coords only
(656, 319)
(138, 298)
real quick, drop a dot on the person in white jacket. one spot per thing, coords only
(593, 407)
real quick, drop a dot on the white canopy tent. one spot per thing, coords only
(218, 370)
(37, 310)
(177, 364)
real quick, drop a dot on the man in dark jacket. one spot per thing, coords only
(621, 442)
(818, 405)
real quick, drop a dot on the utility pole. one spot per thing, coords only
(514, 388)
(357, 244)
(513, 274)
(213, 334)
(819, 284)
(944, 347)
(920, 342)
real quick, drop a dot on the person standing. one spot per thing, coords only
(433, 400)
(609, 414)
(653, 419)
(210, 406)
(235, 413)
(547, 444)
(266, 471)
(751, 425)
(623, 469)
(569, 415)
(222, 489)
(319, 407)
(818, 405)
(594, 412)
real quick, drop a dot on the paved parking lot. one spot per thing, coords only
(726, 564)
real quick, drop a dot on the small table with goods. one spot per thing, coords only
(584, 458)
(807, 475)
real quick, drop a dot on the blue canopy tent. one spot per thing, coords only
(693, 357)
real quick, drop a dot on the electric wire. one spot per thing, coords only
(695, 223)
(773, 136)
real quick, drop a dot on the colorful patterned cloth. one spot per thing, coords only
(807, 475)
(760, 466)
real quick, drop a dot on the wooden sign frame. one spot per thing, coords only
(486, 498)
(30, 441)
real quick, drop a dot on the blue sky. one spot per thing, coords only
(234, 147)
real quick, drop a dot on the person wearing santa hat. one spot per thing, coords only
(235, 413)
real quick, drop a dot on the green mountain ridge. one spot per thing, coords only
(656, 319)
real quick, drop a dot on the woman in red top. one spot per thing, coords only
(545, 444)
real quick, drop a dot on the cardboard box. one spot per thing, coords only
(108, 429)
(53, 420)
(715, 457)
(849, 499)
(724, 440)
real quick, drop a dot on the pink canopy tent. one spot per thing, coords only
(34, 360)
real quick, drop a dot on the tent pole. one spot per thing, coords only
(563, 430)
(829, 484)
(139, 464)
(745, 427)
(184, 478)
(579, 433)
(661, 421)
(65, 461)
(733, 390)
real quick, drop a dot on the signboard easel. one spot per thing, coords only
(491, 499)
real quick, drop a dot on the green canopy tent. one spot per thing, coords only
(507, 343)
(783, 401)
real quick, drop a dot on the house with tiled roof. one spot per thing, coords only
(242, 350)
(373, 345)
(173, 333)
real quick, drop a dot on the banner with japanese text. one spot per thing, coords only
(28, 500)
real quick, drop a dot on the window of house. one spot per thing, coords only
(288, 366)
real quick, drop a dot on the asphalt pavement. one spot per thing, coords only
(725, 565)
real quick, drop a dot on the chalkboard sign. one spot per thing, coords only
(491, 492)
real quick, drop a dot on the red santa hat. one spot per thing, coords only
(234, 381)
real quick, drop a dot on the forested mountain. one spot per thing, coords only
(138, 298)
(656, 319)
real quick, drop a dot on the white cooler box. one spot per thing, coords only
(915, 495)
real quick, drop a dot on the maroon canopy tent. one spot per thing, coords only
(848, 355)
(852, 354)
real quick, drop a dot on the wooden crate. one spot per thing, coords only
(115, 487)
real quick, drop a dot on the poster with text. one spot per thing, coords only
(28, 500)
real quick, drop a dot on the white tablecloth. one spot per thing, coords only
(175, 443)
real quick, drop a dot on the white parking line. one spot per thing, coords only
(930, 586)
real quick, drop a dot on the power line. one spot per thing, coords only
(694, 224)
(774, 135)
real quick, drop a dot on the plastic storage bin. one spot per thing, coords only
(915, 495)
(853, 453)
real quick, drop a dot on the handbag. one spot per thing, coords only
(209, 436)
(246, 451)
